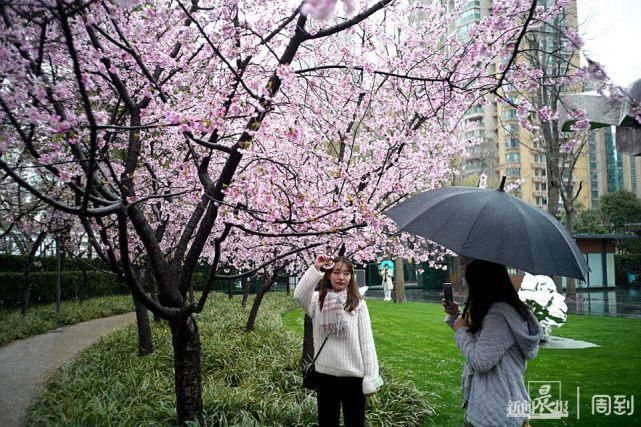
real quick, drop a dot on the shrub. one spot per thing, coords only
(625, 264)
(249, 379)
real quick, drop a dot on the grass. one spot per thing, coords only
(249, 379)
(40, 319)
(414, 344)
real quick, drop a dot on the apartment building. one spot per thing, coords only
(507, 148)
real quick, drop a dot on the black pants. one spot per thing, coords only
(334, 392)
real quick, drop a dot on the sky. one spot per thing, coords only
(611, 30)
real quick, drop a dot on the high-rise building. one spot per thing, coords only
(507, 148)
(632, 173)
(480, 120)
(606, 167)
(610, 170)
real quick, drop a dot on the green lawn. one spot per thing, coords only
(413, 342)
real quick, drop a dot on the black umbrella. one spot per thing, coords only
(494, 226)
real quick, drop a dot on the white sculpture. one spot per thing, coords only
(388, 285)
(539, 293)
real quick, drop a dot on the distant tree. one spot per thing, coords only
(589, 221)
(620, 208)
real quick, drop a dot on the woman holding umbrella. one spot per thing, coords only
(497, 334)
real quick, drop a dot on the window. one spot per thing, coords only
(513, 172)
(512, 157)
(472, 134)
(540, 186)
(509, 114)
(511, 143)
(539, 172)
(511, 129)
(462, 32)
(474, 111)
(541, 201)
(469, 15)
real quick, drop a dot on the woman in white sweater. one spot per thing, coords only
(347, 364)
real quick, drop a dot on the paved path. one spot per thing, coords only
(26, 365)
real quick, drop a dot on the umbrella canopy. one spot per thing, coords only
(493, 226)
(387, 263)
(605, 111)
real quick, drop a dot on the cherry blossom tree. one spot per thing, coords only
(245, 134)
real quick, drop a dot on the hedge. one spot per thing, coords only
(77, 286)
(16, 263)
(628, 263)
(74, 285)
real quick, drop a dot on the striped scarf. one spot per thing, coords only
(332, 316)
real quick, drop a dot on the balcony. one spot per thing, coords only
(540, 193)
(539, 178)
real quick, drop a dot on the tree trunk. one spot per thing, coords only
(258, 299)
(230, 292)
(151, 286)
(84, 280)
(399, 279)
(27, 291)
(308, 341)
(456, 273)
(27, 272)
(187, 353)
(145, 341)
(570, 290)
(246, 286)
(145, 338)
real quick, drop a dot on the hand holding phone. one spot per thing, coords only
(448, 294)
(451, 308)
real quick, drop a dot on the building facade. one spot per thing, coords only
(609, 169)
(507, 149)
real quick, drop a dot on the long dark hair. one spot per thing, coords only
(488, 283)
(353, 294)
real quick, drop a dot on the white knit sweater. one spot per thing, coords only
(353, 355)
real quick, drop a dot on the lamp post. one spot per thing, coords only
(58, 274)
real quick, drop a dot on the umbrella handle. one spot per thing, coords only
(467, 304)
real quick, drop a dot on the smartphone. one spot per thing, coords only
(448, 294)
